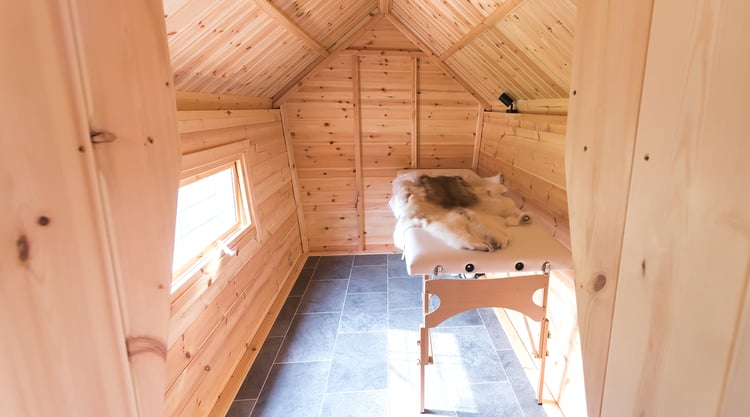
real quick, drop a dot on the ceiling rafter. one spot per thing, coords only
(292, 27)
(385, 6)
(487, 23)
(437, 61)
(374, 17)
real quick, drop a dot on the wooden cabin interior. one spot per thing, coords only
(628, 145)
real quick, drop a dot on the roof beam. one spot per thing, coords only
(312, 69)
(437, 61)
(292, 27)
(488, 22)
(385, 6)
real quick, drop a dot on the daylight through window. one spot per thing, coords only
(209, 208)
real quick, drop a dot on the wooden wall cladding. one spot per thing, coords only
(216, 315)
(529, 150)
(447, 120)
(352, 127)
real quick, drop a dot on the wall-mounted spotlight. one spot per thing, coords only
(505, 98)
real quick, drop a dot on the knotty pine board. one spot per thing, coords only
(218, 312)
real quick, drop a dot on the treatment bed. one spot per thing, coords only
(525, 265)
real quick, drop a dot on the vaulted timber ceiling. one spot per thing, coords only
(265, 48)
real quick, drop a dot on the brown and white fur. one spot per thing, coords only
(466, 212)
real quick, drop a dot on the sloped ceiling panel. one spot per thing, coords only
(441, 23)
(231, 47)
(264, 48)
(383, 37)
(327, 21)
(526, 53)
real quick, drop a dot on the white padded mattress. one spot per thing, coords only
(529, 248)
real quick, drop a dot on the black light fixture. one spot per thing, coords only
(505, 98)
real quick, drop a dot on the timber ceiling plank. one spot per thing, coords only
(289, 25)
(328, 21)
(486, 23)
(266, 48)
(370, 21)
(436, 60)
(439, 23)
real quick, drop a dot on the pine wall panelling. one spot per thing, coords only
(322, 129)
(680, 311)
(529, 150)
(604, 103)
(84, 266)
(216, 317)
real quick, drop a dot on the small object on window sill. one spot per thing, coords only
(225, 248)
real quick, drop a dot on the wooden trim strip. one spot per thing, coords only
(414, 114)
(295, 181)
(478, 139)
(435, 59)
(488, 22)
(360, 199)
(290, 26)
(316, 66)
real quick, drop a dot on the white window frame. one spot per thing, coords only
(211, 161)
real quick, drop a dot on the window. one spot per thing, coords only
(212, 209)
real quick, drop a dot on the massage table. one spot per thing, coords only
(527, 261)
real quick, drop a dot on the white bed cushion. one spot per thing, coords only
(530, 245)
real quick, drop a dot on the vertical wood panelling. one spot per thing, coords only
(403, 104)
(529, 150)
(611, 43)
(685, 258)
(320, 115)
(216, 316)
(63, 329)
(129, 93)
(358, 175)
(447, 120)
(387, 136)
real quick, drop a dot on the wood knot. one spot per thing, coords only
(137, 345)
(22, 244)
(599, 282)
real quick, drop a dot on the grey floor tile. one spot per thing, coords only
(301, 284)
(526, 394)
(467, 354)
(359, 362)
(360, 260)
(311, 262)
(495, 399)
(333, 267)
(293, 389)
(404, 292)
(285, 317)
(357, 354)
(403, 390)
(324, 297)
(311, 337)
(466, 318)
(364, 312)
(356, 404)
(256, 377)
(396, 266)
(240, 408)
(407, 319)
(497, 334)
(368, 279)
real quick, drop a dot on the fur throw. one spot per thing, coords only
(466, 212)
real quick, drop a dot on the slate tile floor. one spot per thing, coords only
(344, 344)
